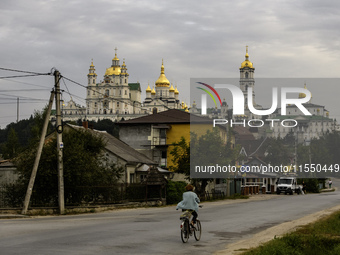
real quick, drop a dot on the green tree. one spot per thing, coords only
(278, 152)
(207, 149)
(85, 166)
(11, 147)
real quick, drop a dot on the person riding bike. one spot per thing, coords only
(190, 202)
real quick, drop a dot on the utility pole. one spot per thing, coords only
(59, 145)
(37, 158)
(17, 109)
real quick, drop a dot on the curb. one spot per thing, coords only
(281, 229)
(12, 216)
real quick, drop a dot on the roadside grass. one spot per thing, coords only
(321, 237)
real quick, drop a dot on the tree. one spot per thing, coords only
(278, 152)
(11, 147)
(207, 149)
(85, 166)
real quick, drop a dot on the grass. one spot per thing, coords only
(321, 237)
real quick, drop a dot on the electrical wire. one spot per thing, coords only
(27, 83)
(21, 71)
(20, 76)
(121, 101)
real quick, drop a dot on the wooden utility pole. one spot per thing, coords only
(37, 158)
(60, 145)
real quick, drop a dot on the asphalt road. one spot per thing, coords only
(154, 230)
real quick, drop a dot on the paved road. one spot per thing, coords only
(154, 230)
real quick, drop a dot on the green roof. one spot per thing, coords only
(304, 117)
(135, 86)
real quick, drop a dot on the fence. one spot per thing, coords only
(86, 195)
(2, 197)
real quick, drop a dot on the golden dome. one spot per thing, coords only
(162, 80)
(148, 89)
(172, 89)
(115, 58)
(247, 63)
(153, 92)
(113, 70)
(92, 69)
(303, 95)
(176, 91)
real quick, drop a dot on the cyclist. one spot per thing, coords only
(190, 202)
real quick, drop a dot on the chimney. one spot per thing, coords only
(86, 124)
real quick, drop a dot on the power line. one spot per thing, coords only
(28, 83)
(19, 90)
(21, 71)
(21, 97)
(20, 76)
(118, 100)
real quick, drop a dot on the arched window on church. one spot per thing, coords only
(107, 92)
(246, 75)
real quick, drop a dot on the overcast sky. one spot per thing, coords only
(195, 39)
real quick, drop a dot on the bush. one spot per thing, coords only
(174, 192)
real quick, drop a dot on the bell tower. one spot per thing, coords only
(247, 78)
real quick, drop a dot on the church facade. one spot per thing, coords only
(162, 97)
(114, 97)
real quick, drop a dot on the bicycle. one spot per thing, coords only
(187, 229)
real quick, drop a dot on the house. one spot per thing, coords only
(135, 164)
(154, 135)
(7, 172)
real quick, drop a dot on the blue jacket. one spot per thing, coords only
(190, 201)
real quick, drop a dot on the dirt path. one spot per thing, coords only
(270, 233)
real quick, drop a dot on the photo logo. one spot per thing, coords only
(204, 97)
(239, 99)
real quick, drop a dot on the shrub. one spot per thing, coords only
(174, 192)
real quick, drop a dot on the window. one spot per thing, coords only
(94, 81)
(120, 92)
(125, 92)
(162, 133)
(88, 92)
(246, 75)
(117, 104)
(107, 92)
(95, 105)
(132, 178)
(142, 177)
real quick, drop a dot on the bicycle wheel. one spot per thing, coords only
(198, 230)
(185, 232)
